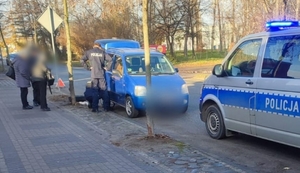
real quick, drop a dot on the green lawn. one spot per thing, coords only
(206, 55)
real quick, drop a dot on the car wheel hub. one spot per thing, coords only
(128, 107)
(213, 123)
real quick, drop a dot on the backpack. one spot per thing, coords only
(11, 72)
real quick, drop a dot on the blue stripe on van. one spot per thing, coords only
(286, 105)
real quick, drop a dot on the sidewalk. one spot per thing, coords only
(36, 141)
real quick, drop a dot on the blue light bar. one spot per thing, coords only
(277, 25)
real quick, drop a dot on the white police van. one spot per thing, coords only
(256, 90)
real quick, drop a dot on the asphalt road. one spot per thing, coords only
(247, 153)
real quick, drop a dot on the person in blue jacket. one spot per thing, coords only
(88, 94)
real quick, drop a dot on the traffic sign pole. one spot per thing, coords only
(52, 40)
(51, 21)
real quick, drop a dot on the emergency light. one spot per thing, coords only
(279, 25)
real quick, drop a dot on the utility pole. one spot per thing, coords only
(69, 53)
(150, 123)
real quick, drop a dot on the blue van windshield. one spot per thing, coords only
(159, 65)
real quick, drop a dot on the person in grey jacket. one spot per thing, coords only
(98, 61)
(22, 72)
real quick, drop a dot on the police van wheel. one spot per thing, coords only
(214, 122)
(130, 109)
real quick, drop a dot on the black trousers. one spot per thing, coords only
(24, 93)
(43, 94)
(36, 92)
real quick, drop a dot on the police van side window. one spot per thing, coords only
(118, 65)
(242, 61)
(282, 58)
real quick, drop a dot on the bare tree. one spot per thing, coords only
(170, 17)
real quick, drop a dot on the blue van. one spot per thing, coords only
(118, 43)
(126, 81)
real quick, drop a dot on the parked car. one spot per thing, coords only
(12, 56)
(118, 43)
(127, 82)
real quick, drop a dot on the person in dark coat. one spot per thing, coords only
(88, 94)
(22, 72)
(39, 72)
(97, 64)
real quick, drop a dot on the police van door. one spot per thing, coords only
(118, 84)
(278, 97)
(236, 91)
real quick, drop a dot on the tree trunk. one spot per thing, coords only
(297, 9)
(220, 26)
(232, 40)
(147, 63)
(213, 26)
(69, 64)
(199, 42)
(185, 44)
(4, 42)
(2, 61)
(191, 17)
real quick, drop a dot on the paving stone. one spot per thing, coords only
(180, 162)
(46, 140)
(30, 115)
(193, 166)
(55, 141)
(40, 126)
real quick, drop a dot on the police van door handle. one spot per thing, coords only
(249, 82)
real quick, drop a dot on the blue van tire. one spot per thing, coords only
(183, 111)
(214, 122)
(130, 109)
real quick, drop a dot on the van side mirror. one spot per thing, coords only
(176, 69)
(218, 70)
(116, 73)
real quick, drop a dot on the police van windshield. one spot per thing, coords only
(159, 65)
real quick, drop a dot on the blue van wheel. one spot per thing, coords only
(183, 111)
(130, 109)
(214, 122)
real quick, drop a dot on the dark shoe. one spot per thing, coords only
(28, 107)
(46, 109)
(95, 110)
(90, 106)
(36, 104)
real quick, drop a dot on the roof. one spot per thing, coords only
(105, 41)
(130, 51)
(291, 31)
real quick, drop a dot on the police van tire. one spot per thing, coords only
(214, 122)
(130, 109)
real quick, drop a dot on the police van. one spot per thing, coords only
(256, 90)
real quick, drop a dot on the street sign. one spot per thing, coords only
(46, 20)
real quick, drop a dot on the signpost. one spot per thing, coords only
(51, 21)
